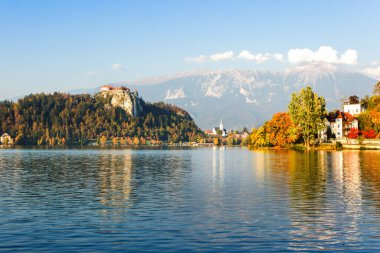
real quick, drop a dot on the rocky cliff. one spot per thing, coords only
(128, 101)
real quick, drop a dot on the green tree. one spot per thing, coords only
(376, 89)
(353, 99)
(307, 111)
(364, 102)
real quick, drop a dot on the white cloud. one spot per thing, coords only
(228, 55)
(278, 57)
(117, 66)
(373, 72)
(349, 57)
(325, 54)
(246, 55)
(260, 57)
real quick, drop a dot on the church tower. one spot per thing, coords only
(221, 126)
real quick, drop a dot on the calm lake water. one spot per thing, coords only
(200, 199)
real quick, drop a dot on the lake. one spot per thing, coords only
(193, 199)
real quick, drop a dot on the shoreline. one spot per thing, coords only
(110, 146)
(327, 147)
(324, 147)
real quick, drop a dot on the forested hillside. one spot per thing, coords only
(77, 119)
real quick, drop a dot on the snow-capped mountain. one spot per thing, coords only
(247, 98)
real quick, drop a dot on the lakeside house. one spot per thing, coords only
(6, 139)
(242, 136)
(208, 132)
(353, 108)
(339, 124)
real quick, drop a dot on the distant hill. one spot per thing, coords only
(247, 98)
(71, 119)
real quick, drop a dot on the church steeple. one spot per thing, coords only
(221, 126)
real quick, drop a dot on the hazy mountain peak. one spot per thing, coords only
(250, 97)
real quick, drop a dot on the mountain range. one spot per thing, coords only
(247, 98)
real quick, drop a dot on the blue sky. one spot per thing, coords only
(62, 45)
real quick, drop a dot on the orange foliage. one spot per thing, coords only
(375, 115)
(354, 133)
(281, 130)
(370, 134)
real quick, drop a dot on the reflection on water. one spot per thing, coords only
(218, 164)
(208, 199)
(115, 172)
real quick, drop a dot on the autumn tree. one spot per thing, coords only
(136, 140)
(370, 134)
(375, 116)
(354, 133)
(231, 140)
(103, 140)
(115, 140)
(123, 141)
(281, 130)
(307, 111)
(259, 138)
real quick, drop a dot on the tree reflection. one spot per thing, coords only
(370, 167)
(116, 173)
(320, 184)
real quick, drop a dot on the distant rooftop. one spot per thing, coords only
(109, 87)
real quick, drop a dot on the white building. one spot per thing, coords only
(341, 123)
(106, 88)
(353, 109)
(221, 128)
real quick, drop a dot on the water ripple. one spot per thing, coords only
(209, 200)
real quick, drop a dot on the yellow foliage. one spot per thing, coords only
(103, 140)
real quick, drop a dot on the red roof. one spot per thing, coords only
(341, 115)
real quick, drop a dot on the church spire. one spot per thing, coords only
(221, 125)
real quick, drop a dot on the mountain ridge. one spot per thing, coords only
(247, 98)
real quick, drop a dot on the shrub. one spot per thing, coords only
(338, 145)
